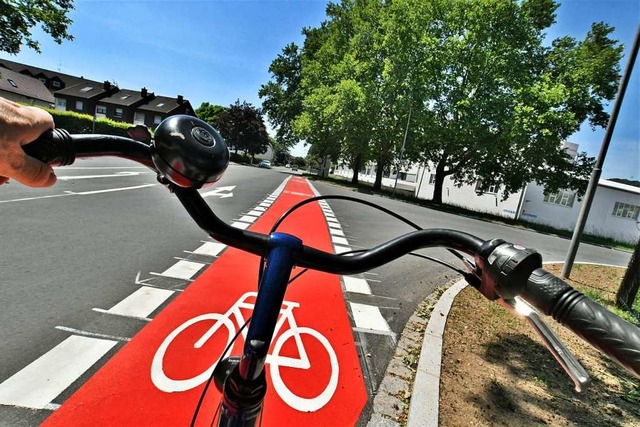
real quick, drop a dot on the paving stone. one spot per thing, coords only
(378, 420)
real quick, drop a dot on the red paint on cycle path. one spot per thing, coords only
(122, 393)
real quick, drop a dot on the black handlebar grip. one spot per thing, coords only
(54, 147)
(601, 328)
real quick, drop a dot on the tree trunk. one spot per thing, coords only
(631, 281)
(439, 184)
(377, 185)
(356, 168)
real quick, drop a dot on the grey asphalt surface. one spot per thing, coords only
(62, 256)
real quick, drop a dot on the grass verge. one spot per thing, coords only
(497, 372)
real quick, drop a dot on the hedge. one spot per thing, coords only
(83, 123)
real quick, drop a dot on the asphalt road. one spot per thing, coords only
(76, 246)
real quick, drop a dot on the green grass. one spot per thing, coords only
(409, 197)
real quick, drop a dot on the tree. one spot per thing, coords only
(209, 113)
(242, 127)
(631, 282)
(282, 97)
(18, 17)
(490, 101)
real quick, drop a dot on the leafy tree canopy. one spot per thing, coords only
(242, 126)
(18, 17)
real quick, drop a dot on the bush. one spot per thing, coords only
(239, 158)
(83, 123)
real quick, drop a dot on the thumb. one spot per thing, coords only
(34, 173)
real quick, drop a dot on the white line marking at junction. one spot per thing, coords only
(339, 240)
(84, 193)
(51, 406)
(103, 311)
(92, 334)
(357, 285)
(368, 317)
(336, 232)
(258, 209)
(210, 249)
(240, 225)
(255, 212)
(341, 249)
(249, 219)
(36, 385)
(264, 204)
(113, 175)
(35, 198)
(142, 302)
(98, 167)
(183, 270)
(334, 225)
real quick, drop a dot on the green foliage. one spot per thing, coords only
(488, 100)
(210, 113)
(18, 17)
(240, 158)
(83, 123)
(243, 128)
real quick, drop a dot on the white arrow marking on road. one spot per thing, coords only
(222, 192)
(111, 175)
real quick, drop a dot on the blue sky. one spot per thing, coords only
(220, 51)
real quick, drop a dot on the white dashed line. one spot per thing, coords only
(368, 317)
(356, 285)
(141, 303)
(210, 249)
(36, 385)
(182, 270)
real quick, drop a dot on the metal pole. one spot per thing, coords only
(597, 170)
(404, 141)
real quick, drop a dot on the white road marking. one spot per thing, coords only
(258, 209)
(210, 249)
(182, 270)
(357, 285)
(255, 212)
(249, 219)
(84, 193)
(333, 220)
(142, 302)
(339, 240)
(264, 204)
(341, 249)
(240, 225)
(334, 225)
(368, 317)
(336, 232)
(92, 334)
(222, 192)
(36, 385)
(113, 175)
(98, 167)
(24, 199)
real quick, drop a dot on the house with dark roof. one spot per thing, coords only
(102, 99)
(83, 97)
(160, 108)
(53, 80)
(24, 89)
(122, 105)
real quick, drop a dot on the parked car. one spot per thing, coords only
(265, 164)
(294, 168)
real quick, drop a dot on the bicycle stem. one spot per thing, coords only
(245, 387)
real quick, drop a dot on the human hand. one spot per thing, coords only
(20, 125)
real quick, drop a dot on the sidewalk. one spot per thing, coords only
(412, 398)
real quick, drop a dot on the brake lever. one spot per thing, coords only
(560, 352)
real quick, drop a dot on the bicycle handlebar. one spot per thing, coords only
(504, 270)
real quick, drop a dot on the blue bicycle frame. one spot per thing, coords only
(245, 386)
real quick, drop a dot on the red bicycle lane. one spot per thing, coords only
(313, 371)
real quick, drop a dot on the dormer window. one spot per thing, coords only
(55, 83)
(12, 83)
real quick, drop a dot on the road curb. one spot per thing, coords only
(425, 399)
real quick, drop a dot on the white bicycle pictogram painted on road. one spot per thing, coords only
(163, 382)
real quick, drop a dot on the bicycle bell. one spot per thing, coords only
(189, 152)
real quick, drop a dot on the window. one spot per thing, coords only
(482, 188)
(55, 83)
(86, 89)
(432, 179)
(625, 210)
(43, 80)
(161, 104)
(118, 113)
(61, 104)
(157, 119)
(125, 96)
(562, 198)
(101, 111)
(138, 118)
(12, 83)
(79, 105)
